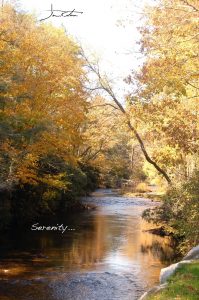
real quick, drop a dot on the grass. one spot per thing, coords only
(183, 285)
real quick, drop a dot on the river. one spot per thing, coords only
(109, 255)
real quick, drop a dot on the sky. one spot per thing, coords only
(106, 29)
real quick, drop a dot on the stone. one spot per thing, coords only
(153, 291)
(166, 273)
(192, 254)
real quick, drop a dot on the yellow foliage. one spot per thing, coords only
(43, 100)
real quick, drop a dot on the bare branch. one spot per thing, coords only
(195, 87)
(106, 104)
(190, 5)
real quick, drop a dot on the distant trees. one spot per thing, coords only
(107, 144)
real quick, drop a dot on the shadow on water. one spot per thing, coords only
(109, 255)
(164, 254)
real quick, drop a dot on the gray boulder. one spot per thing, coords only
(166, 273)
(192, 254)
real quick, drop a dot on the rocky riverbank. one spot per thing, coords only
(191, 260)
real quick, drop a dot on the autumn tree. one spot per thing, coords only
(107, 142)
(103, 84)
(43, 102)
(165, 109)
(165, 104)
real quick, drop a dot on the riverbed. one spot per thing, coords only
(105, 254)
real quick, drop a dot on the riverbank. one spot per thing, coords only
(178, 281)
(152, 196)
(145, 191)
(22, 204)
(183, 285)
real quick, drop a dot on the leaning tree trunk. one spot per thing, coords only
(136, 134)
(105, 86)
(146, 155)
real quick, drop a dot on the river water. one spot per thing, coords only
(109, 255)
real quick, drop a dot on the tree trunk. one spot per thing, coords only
(104, 85)
(136, 134)
(146, 155)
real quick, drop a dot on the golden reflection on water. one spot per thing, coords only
(12, 270)
(109, 242)
(118, 243)
(91, 247)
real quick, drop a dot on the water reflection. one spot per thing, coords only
(109, 240)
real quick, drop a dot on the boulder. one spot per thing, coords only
(166, 273)
(192, 254)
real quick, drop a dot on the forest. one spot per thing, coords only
(64, 131)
